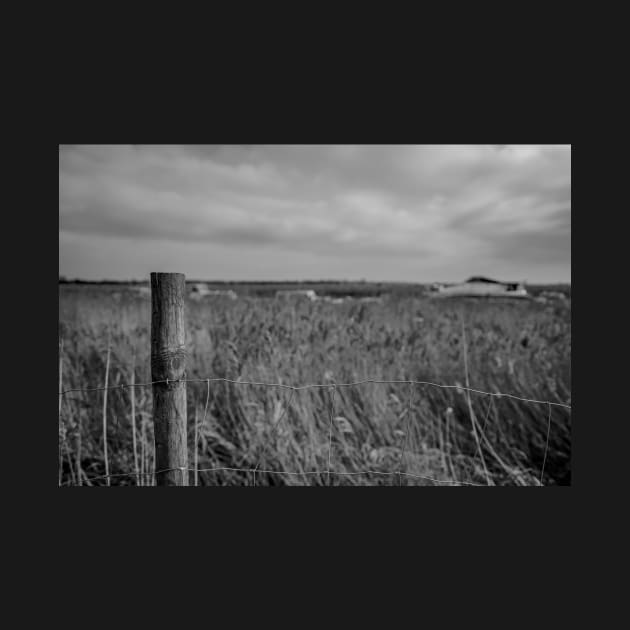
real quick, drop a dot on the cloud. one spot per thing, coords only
(437, 204)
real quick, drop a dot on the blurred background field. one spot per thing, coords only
(446, 435)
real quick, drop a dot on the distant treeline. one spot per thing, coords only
(63, 280)
(555, 286)
(268, 288)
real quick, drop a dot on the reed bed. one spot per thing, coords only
(287, 437)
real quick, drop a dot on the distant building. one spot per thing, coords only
(479, 286)
(200, 290)
(309, 293)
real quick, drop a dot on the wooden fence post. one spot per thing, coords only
(168, 362)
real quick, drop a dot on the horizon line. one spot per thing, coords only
(67, 280)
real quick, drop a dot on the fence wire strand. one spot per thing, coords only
(315, 385)
(333, 387)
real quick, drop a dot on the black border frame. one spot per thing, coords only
(509, 528)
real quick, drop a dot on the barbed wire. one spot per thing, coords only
(316, 385)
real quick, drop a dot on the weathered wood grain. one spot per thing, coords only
(168, 361)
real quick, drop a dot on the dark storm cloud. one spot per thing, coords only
(443, 204)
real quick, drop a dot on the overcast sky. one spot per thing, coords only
(397, 213)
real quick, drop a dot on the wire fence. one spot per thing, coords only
(400, 473)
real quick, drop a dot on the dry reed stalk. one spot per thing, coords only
(133, 416)
(332, 413)
(105, 407)
(72, 477)
(60, 398)
(203, 423)
(447, 444)
(406, 436)
(470, 409)
(542, 472)
(143, 436)
(152, 455)
(68, 457)
(503, 465)
(196, 448)
(87, 479)
(78, 455)
(441, 444)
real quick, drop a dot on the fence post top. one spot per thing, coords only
(157, 274)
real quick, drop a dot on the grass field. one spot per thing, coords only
(447, 435)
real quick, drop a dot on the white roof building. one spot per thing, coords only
(479, 286)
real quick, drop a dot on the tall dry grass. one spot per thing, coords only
(442, 434)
